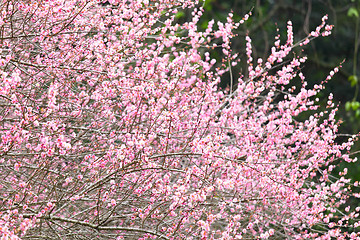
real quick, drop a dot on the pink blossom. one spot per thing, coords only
(115, 126)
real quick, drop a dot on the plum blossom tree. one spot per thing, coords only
(113, 127)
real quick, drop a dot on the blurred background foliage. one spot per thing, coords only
(269, 18)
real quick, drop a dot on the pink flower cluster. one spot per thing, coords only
(112, 127)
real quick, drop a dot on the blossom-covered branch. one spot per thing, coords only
(113, 127)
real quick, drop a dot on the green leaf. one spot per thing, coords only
(353, 79)
(204, 25)
(207, 5)
(347, 106)
(355, 106)
(357, 113)
(353, 12)
(179, 15)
